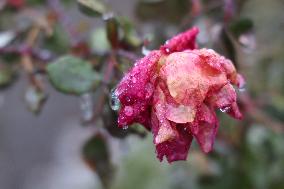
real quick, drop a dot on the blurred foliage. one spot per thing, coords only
(96, 155)
(72, 75)
(84, 47)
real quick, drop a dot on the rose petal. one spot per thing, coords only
(181, 42)
(135, 91)
(180, 113)
(205, 129)
(176, 149)
(224, 98)
(162, 128)
(189, 77)
(234, 111)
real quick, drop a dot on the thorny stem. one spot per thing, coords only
(26, 59)
(104, 87)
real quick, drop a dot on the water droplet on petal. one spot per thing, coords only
(225, 109)
(114, 101)
(168, 50)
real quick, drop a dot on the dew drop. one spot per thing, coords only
(114, 101)
(243, 89)
(145, 51)
(128, 99)
(125, 127)
(225, 109)
(168, 50)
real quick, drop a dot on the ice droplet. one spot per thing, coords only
(86, 106)
(242, 89)
(145, 51)
(114, 101)
(125, 127)
(225, 109)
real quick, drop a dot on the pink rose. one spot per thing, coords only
(174, 92)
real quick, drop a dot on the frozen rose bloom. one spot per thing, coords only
(175, 91)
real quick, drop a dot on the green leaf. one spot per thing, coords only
(241, 26)
(98, 41)
(72, 75)
(6, 75)
(58, 42)
(96, 155)
(130, 36)
(92, 7)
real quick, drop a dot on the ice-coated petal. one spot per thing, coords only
(226, 101)
(206, 136)
(174, 92)
(224, 97)
(234, 111)
(180, 113)
(220, 63)
(134, 83)
(181, 42)
(170, 140)
(135, 91)
(205, 127)
(176, 149)
(189, 77)
(162, 128)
